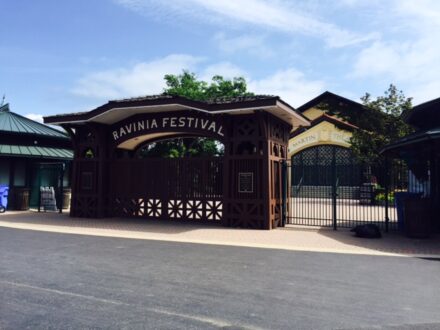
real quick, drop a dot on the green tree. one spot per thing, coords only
(182, 147)
(383, 124)
(188, 85)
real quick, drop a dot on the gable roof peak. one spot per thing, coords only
(4, 107)
(11, 122)
(325, 95)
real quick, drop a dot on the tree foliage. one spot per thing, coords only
(188, 85)
(183, 147)
(383, 124)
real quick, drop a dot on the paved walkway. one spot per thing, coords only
(289, 238)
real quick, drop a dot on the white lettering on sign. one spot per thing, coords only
(305, 140)
(321, 137)
(153, 123)
(168, 122)
(340, 137)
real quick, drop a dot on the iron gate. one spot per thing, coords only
(327, 187)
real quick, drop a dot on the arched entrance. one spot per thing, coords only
(316, 166)
(242, 189)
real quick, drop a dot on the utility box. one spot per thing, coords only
(366, 194)
(417, 217)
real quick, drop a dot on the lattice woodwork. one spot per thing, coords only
(247, 215)
(154, 208)
(314, 166)
(194, 209)
(84, 206)
(276, 209)
(130, 207)
(203, 210)
(176, 208)
(247, 127)
(214, 210)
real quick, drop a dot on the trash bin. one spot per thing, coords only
(4, 192)
(399, 200)
(67, 195)
(19, 199)
(417, 217)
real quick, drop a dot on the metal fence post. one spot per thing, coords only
(61, 188)
(39, 187)
(284, 192)
(334, 189)
(387, 182)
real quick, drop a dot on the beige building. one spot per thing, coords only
(326, 128)
(316, 151)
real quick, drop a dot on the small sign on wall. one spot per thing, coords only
(245, 182)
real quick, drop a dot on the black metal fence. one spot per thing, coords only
(329, 188)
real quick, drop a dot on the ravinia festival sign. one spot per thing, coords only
(171, 123)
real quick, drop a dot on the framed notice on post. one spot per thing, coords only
(245, 182)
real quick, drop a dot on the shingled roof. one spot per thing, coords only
(326, 96)
(218, 100)
(11, 122)
(425, 115)
(156, 103)
(209, 105)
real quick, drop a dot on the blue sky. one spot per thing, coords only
(68, 56)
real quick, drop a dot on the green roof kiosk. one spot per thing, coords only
(32, 155)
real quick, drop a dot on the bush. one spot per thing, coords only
(380, 197)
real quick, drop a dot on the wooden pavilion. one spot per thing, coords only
(242, 188)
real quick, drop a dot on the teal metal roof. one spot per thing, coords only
(34, 151)
(413, 140)
(14, 123)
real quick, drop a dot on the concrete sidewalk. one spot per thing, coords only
(289, 238)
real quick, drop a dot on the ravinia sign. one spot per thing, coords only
(171, 123)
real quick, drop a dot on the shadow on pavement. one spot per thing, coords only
(391, 242)
(123, 224)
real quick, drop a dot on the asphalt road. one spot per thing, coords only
(61, 281)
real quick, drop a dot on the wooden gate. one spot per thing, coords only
(167, 188)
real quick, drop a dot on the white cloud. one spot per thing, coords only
(426, 91)
(281, 16)
(253, 44)
(409, 58)
(147, 78)
(424, 13)
(290, 84)
(141, 79)
(225, 69)
(379, 58)
(400, 61)
(35, 116)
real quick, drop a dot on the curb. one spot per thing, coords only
(155, 237)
